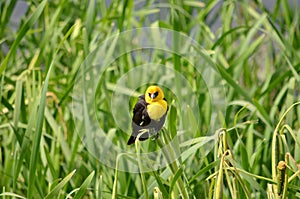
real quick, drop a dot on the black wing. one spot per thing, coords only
(140, 115)
(141, 120)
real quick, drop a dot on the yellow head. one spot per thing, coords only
(154, 94)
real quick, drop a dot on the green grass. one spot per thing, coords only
(248, 52)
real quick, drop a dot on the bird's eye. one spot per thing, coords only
(156, 94)
(149, 94)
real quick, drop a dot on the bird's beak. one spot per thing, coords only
(152, 95)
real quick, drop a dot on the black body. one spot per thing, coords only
(141, 120)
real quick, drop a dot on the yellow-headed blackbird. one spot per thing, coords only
(149, 114)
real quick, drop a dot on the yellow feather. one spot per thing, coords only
(157, 109)
(157, 106)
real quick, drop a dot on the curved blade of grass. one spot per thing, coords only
(29, 23)
(204, 144)
(114, 191)
(169, 154)
(115, 183)
(7, 11)
(219, 184)
(25, 143)
(60, 185)
(99, 186)
(84, 186)
(12, 195)
(90, 15)
(40, 119)
(274, 139)
(228, 78)
(161, 186)
(144, 182)
(174, 180)
(37, 135)
(204, 170)
(252, 107)
(17, 110)
(233, 30)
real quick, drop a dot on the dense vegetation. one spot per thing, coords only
(71, 71)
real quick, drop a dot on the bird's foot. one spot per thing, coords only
(155, 136)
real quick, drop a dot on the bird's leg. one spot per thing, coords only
(153, 134)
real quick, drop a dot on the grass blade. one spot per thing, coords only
(29, 23)
(37, 135)
(59, 186)
(84, 186)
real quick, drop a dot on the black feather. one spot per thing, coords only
(141, 121)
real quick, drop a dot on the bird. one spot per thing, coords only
(149, 114)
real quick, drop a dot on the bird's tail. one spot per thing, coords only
(131, 140)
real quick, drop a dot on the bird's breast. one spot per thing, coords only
(156, 110)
